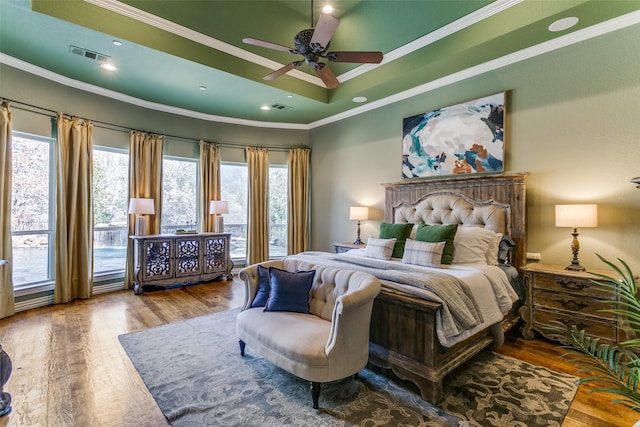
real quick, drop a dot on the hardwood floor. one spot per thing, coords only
(70, 370)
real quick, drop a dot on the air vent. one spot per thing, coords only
(281, 107)
(89, 54)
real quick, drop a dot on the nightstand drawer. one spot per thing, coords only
(575, 285)
(592, 327)
(572, 303)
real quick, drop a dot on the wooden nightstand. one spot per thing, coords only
(570, 297)
(345, 246)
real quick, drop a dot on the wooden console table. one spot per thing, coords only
(164, 260)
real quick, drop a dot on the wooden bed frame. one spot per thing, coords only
(403, 328)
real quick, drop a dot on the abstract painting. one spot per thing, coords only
(461, 139)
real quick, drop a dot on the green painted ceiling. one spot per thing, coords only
(171, 47)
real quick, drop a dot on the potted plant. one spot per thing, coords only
(615, 368)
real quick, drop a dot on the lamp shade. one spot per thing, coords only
(141, 206)
(358, 213)
(575, 216)
(218, 207)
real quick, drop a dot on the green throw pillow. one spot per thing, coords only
(398, 231)
(439, 233)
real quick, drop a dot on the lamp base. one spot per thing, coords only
(219, 225)
(141, 226)
(575, 267)
(358, 242)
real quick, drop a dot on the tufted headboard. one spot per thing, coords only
(496, 202)
(447, 207)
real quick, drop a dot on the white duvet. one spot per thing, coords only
(489, 287)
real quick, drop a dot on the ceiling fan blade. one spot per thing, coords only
(277, 73)
(358, 57)
(328, 78)
(268, 45)
(323, 32)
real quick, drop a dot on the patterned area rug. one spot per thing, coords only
(194, 371)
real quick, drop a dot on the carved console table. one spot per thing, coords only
(165, 260)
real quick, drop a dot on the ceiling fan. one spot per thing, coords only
(313, 44)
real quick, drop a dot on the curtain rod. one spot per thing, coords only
(52, 113)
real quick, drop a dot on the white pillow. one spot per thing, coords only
(492, 251)
(470, 245)
(379, 248)
(423, 253)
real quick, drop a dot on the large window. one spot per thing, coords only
(278, 176)
(32, 209)
(179, 194)
(110, 192)
(234, 186)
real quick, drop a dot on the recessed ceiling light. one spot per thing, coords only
(265, 108)
(327, 9)
(117, 43)
(563, 24)
(359, 99)
(289, 96)
(203, 88)
(108, 67)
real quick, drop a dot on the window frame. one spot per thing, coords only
(197, 224)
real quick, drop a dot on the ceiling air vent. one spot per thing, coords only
(281, 107)
(89, 54)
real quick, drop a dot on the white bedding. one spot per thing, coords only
(489, 286)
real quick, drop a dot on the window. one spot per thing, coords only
(110, 192)
(179, 194)
(32, 209)
(233, 182)
(233, 188)
(278, 207)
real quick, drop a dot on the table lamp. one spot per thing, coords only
(217, 208)
(574, 216)
(140, 207)
(358, 213)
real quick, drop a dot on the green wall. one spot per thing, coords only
(573, 123)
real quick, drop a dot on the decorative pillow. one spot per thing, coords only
(471, 244)
(423, 253)
(400, 232)
(506, 246)
(289, 291)
(379, 248)
(264, 288)
(439, 233)
(492, 251)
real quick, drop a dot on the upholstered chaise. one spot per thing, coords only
(330, 343)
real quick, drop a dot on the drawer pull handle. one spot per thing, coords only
(570, 323)
(571, 304)
(570, 284)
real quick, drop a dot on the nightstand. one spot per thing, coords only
(345, 246)
(570, 297)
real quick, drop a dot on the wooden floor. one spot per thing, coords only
(70, 370)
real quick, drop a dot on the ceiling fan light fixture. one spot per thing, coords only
(327, 9)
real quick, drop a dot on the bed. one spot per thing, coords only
(404, 327)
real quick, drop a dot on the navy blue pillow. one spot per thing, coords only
(290, 291)
(264, 288)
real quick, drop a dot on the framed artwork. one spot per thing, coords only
(464, 138)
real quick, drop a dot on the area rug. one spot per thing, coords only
(194, 371)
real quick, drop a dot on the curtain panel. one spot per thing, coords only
(145, 181)
(7, 300)
(209, 183)
(258, 216)
(74, 210)
(298, 200)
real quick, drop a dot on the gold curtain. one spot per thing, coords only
(209, 182)
(74, 210)
(7, 300)
(298, 227)
(145, 181)
(258, 206)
